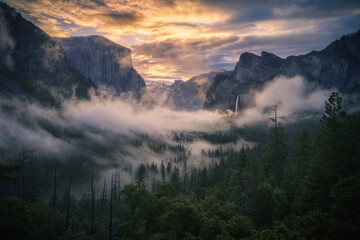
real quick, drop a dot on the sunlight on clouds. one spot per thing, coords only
(180, 39)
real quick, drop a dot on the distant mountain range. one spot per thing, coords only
(180, 95)
(34, 65)
(337, 66)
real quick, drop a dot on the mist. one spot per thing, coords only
(113, 134)
(110, 134)
(291, 95)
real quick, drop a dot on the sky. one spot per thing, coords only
(178, 39)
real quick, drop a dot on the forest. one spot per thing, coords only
(298, 183)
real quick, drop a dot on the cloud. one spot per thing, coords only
(113, 134)
(209, 34)
(291, 95)
(109, 134)
(123, 118)
(190, 57)
(112, 19)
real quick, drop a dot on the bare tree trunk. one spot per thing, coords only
(185, 176)
(110, 213)
(119, 186)
(103, 196)
(153, 184)
(115, 180)
(54, 194)
(68, 207)
(92, 231)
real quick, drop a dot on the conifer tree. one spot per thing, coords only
(276, 150)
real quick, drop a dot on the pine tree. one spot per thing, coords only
(162, 170)
(140, 175)
(276, 150)
(175, 179)
(328, 155)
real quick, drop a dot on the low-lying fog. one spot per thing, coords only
(114, 134)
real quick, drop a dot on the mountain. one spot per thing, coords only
(336, 66)
(189, 95)
(250, 72)
(106, 63)
(33, 65)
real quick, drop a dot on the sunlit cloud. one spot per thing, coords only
(173, 39)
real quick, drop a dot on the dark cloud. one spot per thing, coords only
(117, 19)
(332, 5)
(185, 37)
(252, 11)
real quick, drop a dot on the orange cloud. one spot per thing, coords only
(182, 38)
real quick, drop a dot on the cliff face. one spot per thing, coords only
(32, 64)
(253, 68)
(106, 63)
(250, 72)
(337, 66)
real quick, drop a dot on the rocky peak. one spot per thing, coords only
(349, 42)
(271, 60)
(248, 60)
(177, 83)
(253, 68)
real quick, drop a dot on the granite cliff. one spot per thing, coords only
(336, 66)
(33, 65)
(107, 64)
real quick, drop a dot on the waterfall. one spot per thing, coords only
(236, 103)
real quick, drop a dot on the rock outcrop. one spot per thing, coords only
(253, 68)
(107, 64)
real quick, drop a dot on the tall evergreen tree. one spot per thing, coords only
(276, 150)
(175, 179)
(162, 171)
(328, 155)
(294, 182)
(140, 175)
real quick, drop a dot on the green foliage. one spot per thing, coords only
(236, 196)
(275, 153)
(140, 175)
(240, 227)
(182, 216)
(166, 190)
(16, 221)
(262, 206)
(175, 180)
(329, 153)
(132, 196)
(278, 232)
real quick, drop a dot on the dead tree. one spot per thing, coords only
(68, 206)
(103, 195)
(110, 211)
(54, 193)
(92, 231)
